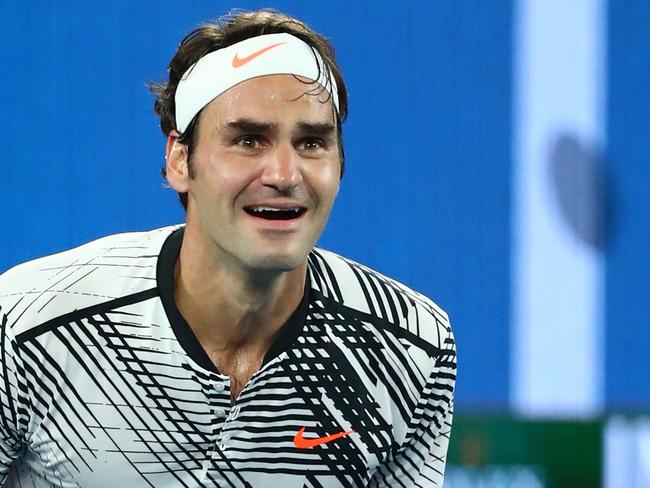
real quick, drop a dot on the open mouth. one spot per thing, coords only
(270, 213)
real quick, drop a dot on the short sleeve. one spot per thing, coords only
(421, 460)
(12, 396)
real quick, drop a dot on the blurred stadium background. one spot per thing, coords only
(496, 161)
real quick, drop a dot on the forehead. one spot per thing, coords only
(277, 97)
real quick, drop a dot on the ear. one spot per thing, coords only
(176, 163)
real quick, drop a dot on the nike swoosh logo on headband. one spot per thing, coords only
(238, 62)
(301, 443)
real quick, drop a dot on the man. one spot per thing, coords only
(228, 351)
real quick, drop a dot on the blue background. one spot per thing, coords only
(627, 318)
(426, 195)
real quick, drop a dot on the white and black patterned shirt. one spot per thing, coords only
(103, 383)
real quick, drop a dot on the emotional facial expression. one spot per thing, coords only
(266, 172)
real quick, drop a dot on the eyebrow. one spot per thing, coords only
(322, 129)
(249, 125)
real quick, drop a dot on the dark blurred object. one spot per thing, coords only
(577, 175)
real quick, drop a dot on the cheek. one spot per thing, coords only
(227, 176)
(334, 177)
(328, 184)
(335, 184)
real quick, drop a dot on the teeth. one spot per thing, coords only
(270, 209)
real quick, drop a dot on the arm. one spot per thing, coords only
(420, 461)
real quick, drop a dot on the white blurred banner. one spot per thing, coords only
(627, 453)
(559, 125)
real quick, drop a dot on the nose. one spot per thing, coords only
(282, 168)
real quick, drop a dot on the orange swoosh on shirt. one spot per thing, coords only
(238, 62)
(301, 443)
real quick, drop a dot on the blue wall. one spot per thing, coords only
(628, 269)
(426, 194)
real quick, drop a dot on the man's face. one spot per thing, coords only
(266, 173)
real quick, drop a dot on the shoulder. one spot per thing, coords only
(95, 272)
(382, 301)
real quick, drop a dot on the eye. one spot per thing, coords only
(311, 144)
(250, 142)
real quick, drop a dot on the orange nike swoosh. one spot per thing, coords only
(238, 62)
(301, 443)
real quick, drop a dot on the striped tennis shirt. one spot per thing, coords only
(103, 383)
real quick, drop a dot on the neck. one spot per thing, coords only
(229, 307)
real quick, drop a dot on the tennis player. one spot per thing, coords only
(228, 351)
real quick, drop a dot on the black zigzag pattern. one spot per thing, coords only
(97, 390)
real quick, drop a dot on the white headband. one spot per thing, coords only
(269, 54)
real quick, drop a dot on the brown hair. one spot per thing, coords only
(230, 29)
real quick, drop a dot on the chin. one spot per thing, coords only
(279, 262)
